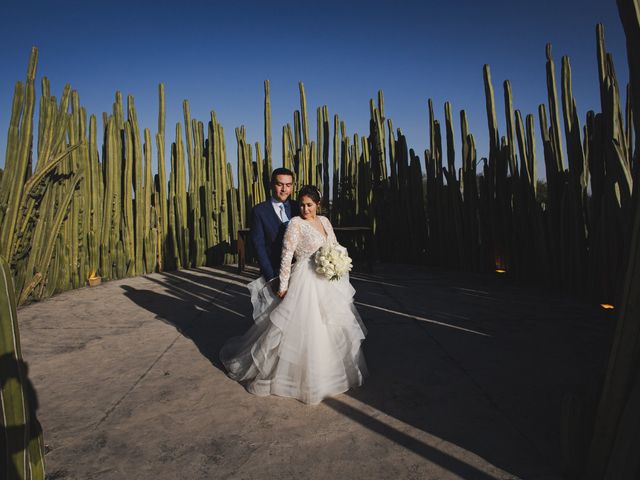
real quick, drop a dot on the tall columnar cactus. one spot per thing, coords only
(245, 179)
(173, 253)
(260, 187)
(77, 164)
(138, 203)
(149, 228)
(94, 201)
(318, 154)
(577, 235)
(11, 154)
(162, 207)
(178, 177)
(268, 165)
(234, 217)
(303, 111)
(96, 194)
(498, 200)
(111, 203)
(23, 443)
(18, 152)
(287, 148)
(128, 202)
(469, 183)
(226, 185)
(210, 215)
(611, 453)
(194, 242)
(120, 222)
(60, 214)
(198, 207)
(325, 158)
(37, 194)
(33, 192)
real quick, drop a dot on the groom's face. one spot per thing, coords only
(282, 187)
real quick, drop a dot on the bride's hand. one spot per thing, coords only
(275, 285)
(281, 294)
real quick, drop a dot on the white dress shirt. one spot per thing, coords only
(280, 210)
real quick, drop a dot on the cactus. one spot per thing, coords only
(325, 158)
(287, 148)
(244, 178)
(268, 164)
(42, 249)
(34, 195)
(173, 254)
(260, 188)
(76, 220)
(610, 453)
(511, 147)
(318, 153)
(180, 198)
(210, 217)
(162, 206)
(135, 206)
(129, 211)
(149, 229)
(23, 443)
(297, 135)
(197, 207)
(234, 218)
(121, 222)
(11, 154)
(303, 111)
(17, 158)
(111, 203)
(95, 209)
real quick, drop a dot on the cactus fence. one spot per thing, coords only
(84, 202)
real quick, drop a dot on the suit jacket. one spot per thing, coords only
(267, 232)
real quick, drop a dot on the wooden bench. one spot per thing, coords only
(343, 234)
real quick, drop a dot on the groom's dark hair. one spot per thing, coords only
(281, 171)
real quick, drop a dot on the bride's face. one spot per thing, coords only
(308, 207)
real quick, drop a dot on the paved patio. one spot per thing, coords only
(467, 377)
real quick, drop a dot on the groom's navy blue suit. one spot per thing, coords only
(267, 232)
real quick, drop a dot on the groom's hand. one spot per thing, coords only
(281, 294)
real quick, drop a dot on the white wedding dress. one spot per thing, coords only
(307, 345)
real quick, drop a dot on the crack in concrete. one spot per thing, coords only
(132, 387)
(115, 405)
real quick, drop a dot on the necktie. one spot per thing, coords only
(283, 214)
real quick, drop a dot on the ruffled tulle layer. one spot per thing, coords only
(306, 346)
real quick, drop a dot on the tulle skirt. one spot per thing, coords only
(305, 346)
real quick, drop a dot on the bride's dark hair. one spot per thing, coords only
(310, 191)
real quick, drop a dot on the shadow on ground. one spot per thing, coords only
(522, 352)
(443, 350)
(199, 304)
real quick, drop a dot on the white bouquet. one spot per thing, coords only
(332, 261)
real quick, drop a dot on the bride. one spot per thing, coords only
(305, 342)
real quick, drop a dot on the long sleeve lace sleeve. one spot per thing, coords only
(289, 243)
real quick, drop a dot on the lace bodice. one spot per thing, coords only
(301, 240)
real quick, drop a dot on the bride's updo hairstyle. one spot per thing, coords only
(310, 191)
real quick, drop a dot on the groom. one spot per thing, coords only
(268, 223)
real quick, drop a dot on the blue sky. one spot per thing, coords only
(217, 55)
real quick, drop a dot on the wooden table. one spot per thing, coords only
(342, 234)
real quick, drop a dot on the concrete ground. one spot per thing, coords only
(467, 377)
